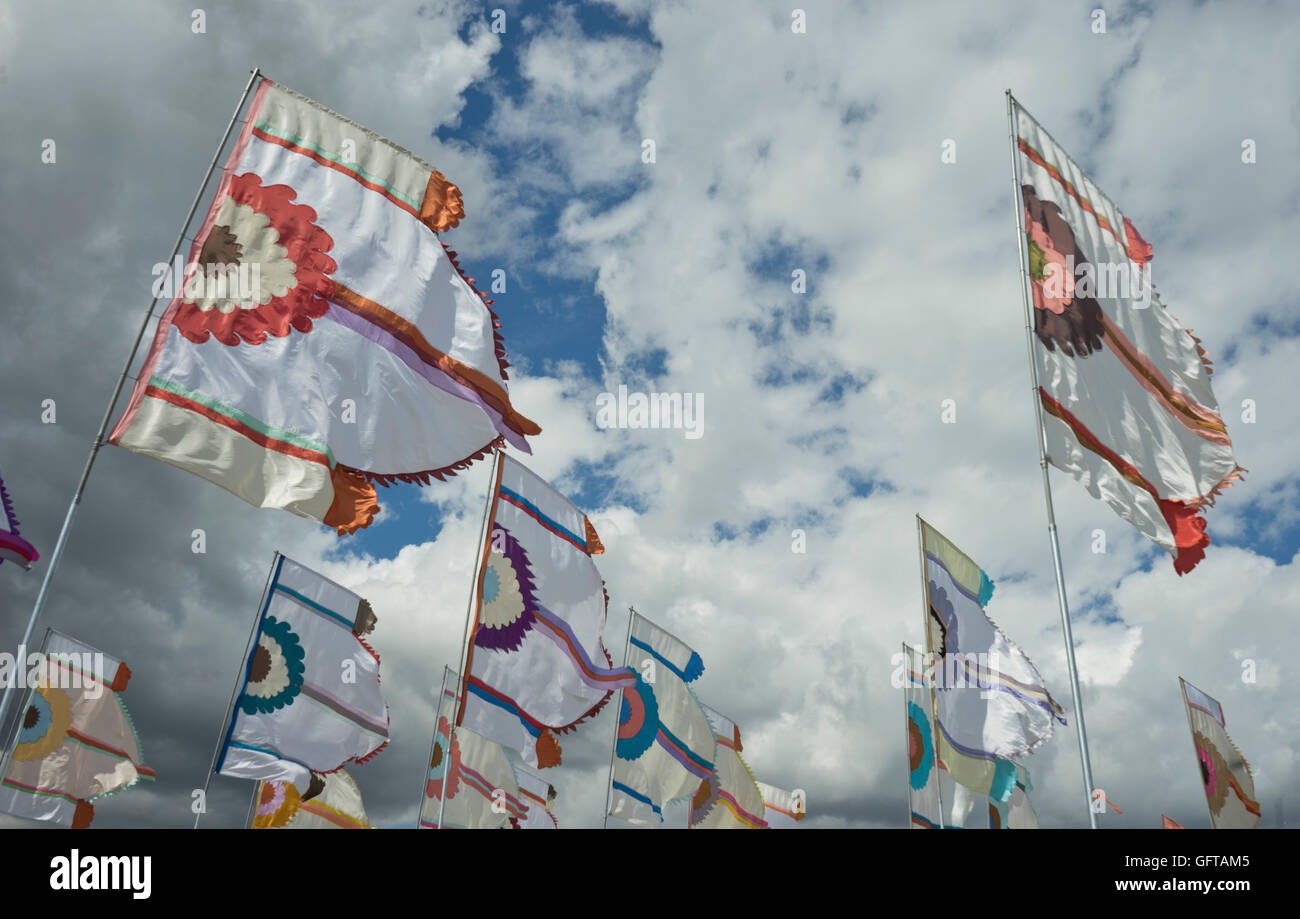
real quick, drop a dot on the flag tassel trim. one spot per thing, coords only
(498, 340)
(426, 477)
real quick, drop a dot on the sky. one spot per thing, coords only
(776, 151)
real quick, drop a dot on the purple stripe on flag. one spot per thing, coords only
(969, 751)
(602, 678)
(335, 705)
(435, 377)
(686, 762)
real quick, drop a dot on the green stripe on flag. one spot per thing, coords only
(244, 418)
(349, 165)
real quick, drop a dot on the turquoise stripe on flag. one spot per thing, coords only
(325, 611)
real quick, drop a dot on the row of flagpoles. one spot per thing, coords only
(254, 390)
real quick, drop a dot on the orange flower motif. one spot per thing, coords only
(262, 268)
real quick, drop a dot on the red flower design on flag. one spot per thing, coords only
(262, 268)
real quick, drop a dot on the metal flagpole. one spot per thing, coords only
(252, 805)
(483, 547)
(112, 403)
(609, 792)
(1075, 695)
(437, 716)
(276, 559)
(929, 657)
(21, 664)
(909, 658)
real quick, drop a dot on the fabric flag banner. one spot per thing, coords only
(729, 798)
(781, 809)
(922, 764)
(310, 700)
(76, 743)
(1225, 774)
(482, 790)
(991, 702)
(322, 337)
(1168, 824)
(537, 665)
(538, 795)
(665, 746)
(337, 807)
(1016, 813)
(1128, 408)
(12, 546)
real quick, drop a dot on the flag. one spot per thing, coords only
(1016, 813)
(1168, 824)
(1225, 774)
(781, 809)
(337, 807)
(537, 795)
(729, 797)
(12, 546)
(322, 337)
(1127, 404)
(665, 745)
(309, 701)
(991, 702)
(482, 790)
(537, 665)
(75, 743)
(922, 764)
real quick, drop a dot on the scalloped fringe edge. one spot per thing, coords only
(427, 476)
(498, 340)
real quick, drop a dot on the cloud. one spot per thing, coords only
(774, 152)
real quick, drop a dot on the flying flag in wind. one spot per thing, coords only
(537, 665)
(12, 546)
(471, 783)
(1128, 408)
(538, 795)
(1015, 813)
(781, 809)
(991, 702)
(665, 744)
(310, 700)
(337, 807)
(322, 337)
(1225, 774)
(76, 743)
(729, 797)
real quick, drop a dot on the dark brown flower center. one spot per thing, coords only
(31, 718)
(260, 668)
(221, 248)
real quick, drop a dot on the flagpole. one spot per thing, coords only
(1191, 732)
(446, 776)
(909, 658)
(252, 806)
(234, 692)
(483, 547)
(1075, 694)
(609, 792)
(61, 543)
(929, 656)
